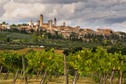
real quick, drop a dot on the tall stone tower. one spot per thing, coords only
(54, 21)
(38, 28)
(38, 23)
(31, 23)
(41, 20)
(64, 24)
(50, 23)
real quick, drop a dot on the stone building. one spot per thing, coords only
(55, 22)
(41, 20)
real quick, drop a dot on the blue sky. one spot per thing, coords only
(84, 13)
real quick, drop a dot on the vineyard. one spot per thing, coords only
(85, 66)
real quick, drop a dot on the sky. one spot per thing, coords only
(84, 13)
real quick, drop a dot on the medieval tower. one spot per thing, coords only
(64, 24)
(54, 21)
(41, 20)
(31, 23)
(50, 23)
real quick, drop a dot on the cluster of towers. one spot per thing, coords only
(41, 24)
(49, 24)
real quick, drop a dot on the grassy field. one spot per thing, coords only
(23, 51)
(37, 81)
(34, 81)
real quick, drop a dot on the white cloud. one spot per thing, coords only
(21, 10)
(119, 26)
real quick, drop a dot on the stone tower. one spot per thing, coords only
(38, 23)
(30, 23)
(41, 20)
(54, 21)
(38, 26)
(64, 24)
(50, 23)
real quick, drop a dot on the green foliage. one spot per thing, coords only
(13, 26)
(12, 61)
(45, 61)
(4, 23)
(34, 37)
(97, 61)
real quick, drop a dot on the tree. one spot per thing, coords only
(13, 26)
(81, 62)
(98, 63)
(4, 23)
(46, 62)
(34, 37)
(12, 62)
(73, 36)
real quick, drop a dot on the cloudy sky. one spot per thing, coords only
(84, 13)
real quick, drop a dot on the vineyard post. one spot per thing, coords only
(24, 70)
(65, 71)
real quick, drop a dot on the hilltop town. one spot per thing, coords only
(65, 31)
